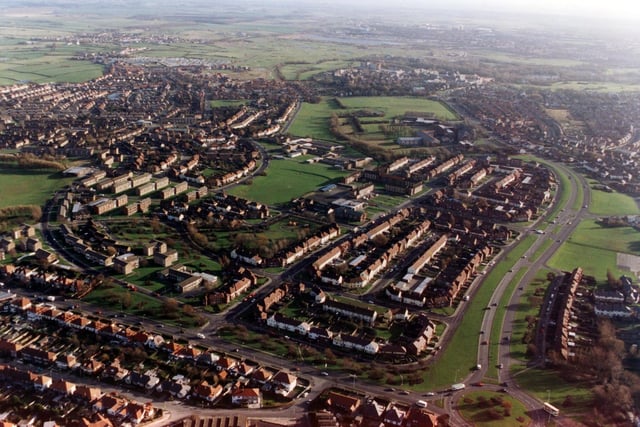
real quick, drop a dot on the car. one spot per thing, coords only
(404, 393)
(484, 343)
(478, 384)
(430, 394)
(481, 332)
(200, 335)
(390, 389)
(495, 304)
(324, 373)
(237, 350)
(500, 366)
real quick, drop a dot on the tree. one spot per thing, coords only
(612, 281)
(125, 300)
(329, 356)
(170, 308)
(155, 225)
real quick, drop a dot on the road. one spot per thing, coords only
(566, 221)
(559, 230)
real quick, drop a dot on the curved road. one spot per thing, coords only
(559, 230)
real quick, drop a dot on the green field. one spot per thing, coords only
(612, 204)
(547, 385)
(394, 106)
(594, 248)
(313, 119)
(28, 187)
(41, 65)
(304, 70)
(286, 180)
(227, 102)
(475, 408)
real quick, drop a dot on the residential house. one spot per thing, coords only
(261, 375)
(356, 343)
(280, 321)
(343, 403)
(67, 361)
(63, 387)
(284, 382)
(249, 397)
(206, 391)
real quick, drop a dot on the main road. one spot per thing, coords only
(558, 231)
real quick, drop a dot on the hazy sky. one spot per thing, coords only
(599, 9)
(606, 9)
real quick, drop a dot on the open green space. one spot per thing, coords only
(227, 102)
(547, 385)
(594, 248)
(119, 298)
(291, 230)
(43, 65)
(28, 186)
(527, 312)
(394, 106)
(612, 204)
(313, 119)
(287, 179)
(495, 341)
(304, 70)
(491, 409)
(542, 249)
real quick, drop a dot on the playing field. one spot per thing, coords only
(286, 180)
(28, 187)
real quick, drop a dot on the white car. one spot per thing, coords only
(201, 336)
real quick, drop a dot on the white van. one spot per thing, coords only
(421, 404)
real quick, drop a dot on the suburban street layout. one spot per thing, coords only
(314, 215)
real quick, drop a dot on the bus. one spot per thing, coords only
(550, 409)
